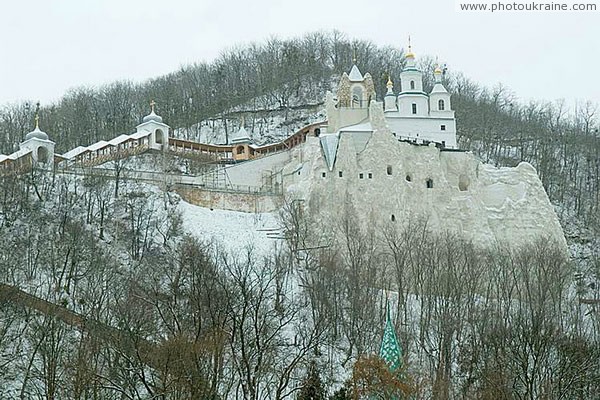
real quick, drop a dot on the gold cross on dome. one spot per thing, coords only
(152, 104)
(37, 121)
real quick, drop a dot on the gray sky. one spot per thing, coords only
(49, 46)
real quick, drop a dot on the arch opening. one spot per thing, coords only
(42, 154)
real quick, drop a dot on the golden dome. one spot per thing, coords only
(437, 70)
(389, 82)
(410, 54)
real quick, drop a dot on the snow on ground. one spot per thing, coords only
(233, 230)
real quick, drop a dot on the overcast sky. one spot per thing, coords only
(49, 46)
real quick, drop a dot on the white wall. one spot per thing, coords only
(252, 173)
(427, 128)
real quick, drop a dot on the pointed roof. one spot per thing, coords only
(241, 136)
(390, 350)
(355, 75)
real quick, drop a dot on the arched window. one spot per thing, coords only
(429, 183)
(42, 154)
(441, 105)
(393, 218)
(412, 85)
(240, 150)
(389, 169)
(357, 96)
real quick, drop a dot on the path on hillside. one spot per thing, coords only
(158, 356)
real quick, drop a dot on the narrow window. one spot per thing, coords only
(340, 174)
(370, 175)
(414, 108)
(323, 174)
(408, 178)
(412, 85)
(429, 183)
(393, 218)
(443, 127)
(463, 183)
(441, 105)
(361, 176)
(389, 169)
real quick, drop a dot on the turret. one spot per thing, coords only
(389, 101)
(159, 139)
(439, 98)
(41, 147)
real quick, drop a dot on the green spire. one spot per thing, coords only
(390, 350)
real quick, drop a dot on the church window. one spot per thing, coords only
(393, 218)
(323, 174)
(240, 150)
(158, 137)
(389, 169)
(357, 96)
(42, 154)
(317, 132)
(442, 127)
(429, 183)
(361, 175)
(412, 85)
(408, 178)
(370, 175)
(441, 105)
(414, 108)
(340, 174)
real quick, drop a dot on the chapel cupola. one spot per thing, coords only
(152, 116)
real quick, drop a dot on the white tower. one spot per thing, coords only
(159, 138)
(41, 147)
(412, 100)
(389, 101)
(439, 98)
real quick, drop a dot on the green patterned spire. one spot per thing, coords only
(390, 348)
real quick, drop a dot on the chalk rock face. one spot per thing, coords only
(389, 181)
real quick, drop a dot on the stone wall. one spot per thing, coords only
(244, 202)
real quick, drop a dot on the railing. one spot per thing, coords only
(190, 181)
